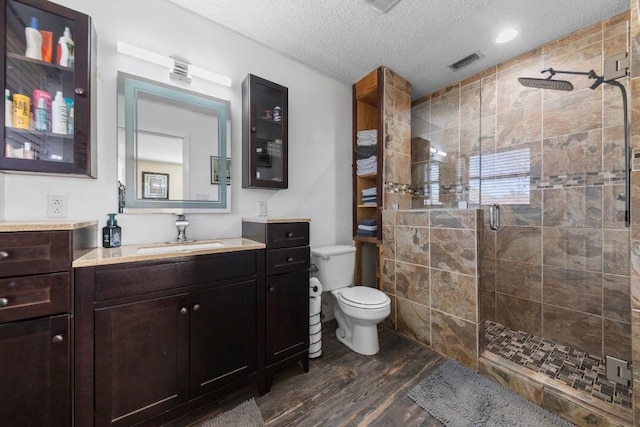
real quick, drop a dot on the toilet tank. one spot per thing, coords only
(335, 264)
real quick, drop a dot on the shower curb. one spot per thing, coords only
(553, 395)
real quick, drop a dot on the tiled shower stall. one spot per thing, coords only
(561, 272)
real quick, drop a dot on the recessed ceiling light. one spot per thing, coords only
(507, 35)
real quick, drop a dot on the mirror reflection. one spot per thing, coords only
(170, 143)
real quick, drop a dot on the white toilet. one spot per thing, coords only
(358, 309)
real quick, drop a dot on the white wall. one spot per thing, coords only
(319, 128)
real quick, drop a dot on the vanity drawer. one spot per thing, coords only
(285, 260)
(113, 282)
(286, 235)
(34, 296)
(26, 253)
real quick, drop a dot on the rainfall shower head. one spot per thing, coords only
(547, 83)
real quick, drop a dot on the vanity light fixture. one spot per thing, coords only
(507, 35)
(179, 68)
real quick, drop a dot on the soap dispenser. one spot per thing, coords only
(112, 233)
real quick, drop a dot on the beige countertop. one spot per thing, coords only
(130, 253)
(270, 220)
(44, 225)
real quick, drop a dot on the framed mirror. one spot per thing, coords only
(170, 145)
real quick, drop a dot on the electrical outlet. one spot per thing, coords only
(262, 208)
(57, 206)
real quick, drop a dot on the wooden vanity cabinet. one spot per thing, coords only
(35, 324)
(286, 293)
(157, 339)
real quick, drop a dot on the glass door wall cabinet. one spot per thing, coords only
(265, 134)
(48, 69)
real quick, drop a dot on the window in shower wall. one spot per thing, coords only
(502, 178)
(431, 186)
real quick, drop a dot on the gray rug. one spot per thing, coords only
(459, 397)
(246, 414)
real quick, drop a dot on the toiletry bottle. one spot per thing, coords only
(34, 40)
(59, 115)
(66, 49)
(42, 116)
(21, 111)
(8, 108)
(112, 233)
(27, 152)
(277, 114)
(70, 113)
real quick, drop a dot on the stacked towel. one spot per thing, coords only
(364, 151)
(367, 137)
(367, 228)
(367, 166)
(370, 196)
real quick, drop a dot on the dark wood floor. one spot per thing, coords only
(343, 388)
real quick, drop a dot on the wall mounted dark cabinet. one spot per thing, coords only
(39, 134)
(265, 121)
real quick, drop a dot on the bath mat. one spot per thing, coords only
(457, 396)
(246, 414)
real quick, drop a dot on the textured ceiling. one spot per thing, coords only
(418, 39)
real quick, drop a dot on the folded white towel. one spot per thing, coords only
(373, 191)
(366, 171)
(368, 161)
(368, 132)
(367, 227)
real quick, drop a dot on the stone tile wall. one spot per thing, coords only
(559, 265)
(430, 272)
(397, 134)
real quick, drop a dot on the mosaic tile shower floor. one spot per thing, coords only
(579, 370)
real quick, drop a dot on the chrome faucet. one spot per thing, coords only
(182, 225)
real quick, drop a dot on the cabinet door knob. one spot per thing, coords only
(80, 91)
(290, 234)
(253, 129)
(183, 310)
(4, 254)
(290, 259)
(57, 338)
(196, 307)
(4, 302)
(271, 289)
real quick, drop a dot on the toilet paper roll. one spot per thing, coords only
(315, 305)
(314, 319)
(315, 288)
(314, 329)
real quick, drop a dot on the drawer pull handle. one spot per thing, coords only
(290, 234)
(290, 259)
(183, 310)
(4, 302)
(57, 338)
(196, 307)
(4, 254)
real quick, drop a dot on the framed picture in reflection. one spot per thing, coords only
(155, 185)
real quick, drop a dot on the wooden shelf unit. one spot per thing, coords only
(367, 115)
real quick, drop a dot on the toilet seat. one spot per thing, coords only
(364, 297)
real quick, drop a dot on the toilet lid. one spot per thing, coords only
(363, 296)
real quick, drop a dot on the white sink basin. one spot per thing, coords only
(179, 247)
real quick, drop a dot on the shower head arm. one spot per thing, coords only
(592, 74)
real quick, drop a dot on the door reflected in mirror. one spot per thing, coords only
(168, 139)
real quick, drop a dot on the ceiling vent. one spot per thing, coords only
(466, 61)
(382, 6)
